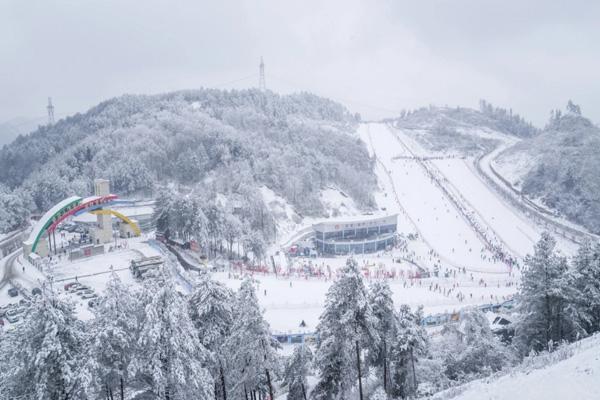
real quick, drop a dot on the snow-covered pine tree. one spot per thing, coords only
(296, 371)
(112, 339)
(546, 300)
(346, 327)
(380, 297)
(250, 349)
(211, 310)
(469, 348)
(170, 359)
(411, 342)
(162, 209)
(378, 394)
(43, 354)
(586, 266)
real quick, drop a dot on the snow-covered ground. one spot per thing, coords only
(444, 237)
(291, 226)
(576, 377)
(518, 234)
(92, 272)
(288, 301)
(425, 205)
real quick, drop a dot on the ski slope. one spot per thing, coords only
(439, 223)
(518, 234)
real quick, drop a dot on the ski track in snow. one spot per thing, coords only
(435, 217)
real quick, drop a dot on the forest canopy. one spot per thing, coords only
(214, 140)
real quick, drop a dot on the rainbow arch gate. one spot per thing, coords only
(72, 206)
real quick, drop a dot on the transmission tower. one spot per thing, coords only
(50, 109)
(262, 86)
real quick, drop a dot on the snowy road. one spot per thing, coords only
(568, 234)
(6, 266)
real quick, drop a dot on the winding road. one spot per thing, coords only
(6, 267)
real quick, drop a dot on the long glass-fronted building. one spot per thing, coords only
(357, 235)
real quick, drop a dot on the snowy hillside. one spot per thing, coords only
(212, 141)
(559, 168)
(464, 130)
(570, 373)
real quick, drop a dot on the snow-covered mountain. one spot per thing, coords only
(209, 141)
(556, 166)
(560, 167)
(464, 130)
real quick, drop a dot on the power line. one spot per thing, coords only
(340, 99)
(253, 76)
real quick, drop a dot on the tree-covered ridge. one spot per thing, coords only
(224, 140)
(565, 175)
(488, 116)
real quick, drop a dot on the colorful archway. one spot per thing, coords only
(124, 218)
(68, 207)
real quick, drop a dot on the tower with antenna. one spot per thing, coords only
(50, 109)
(262, 85)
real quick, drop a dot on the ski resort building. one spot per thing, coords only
(357, 235)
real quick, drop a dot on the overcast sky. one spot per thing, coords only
(377, 57)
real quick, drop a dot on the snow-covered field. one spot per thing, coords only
(287, 302)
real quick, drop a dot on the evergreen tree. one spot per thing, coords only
(162, 209)
(113, 334)
(587, 284)
(379, 394)
(470, 349)
(546, 300)
(346, 327)
(14, 209)
(170, 359)
(380, 297)
(211, 310)
(296, 371)
(43, 354)
(250, 348)
(573, 108)
(410, 343)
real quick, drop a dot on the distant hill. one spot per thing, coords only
(488, 116)
(560, 167)
(463, 130)
(9, 130)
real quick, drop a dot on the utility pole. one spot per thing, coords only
(50, 109)
(262, 86)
